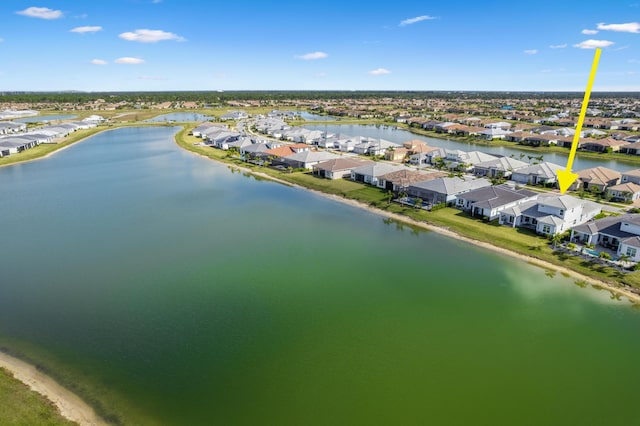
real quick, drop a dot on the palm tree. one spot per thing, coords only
(556, 240)
(418, 203)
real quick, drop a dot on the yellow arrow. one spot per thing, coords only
(566, 177)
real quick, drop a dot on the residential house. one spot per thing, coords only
(625, 192)
(489, 201)
(494, 133)
(603, 145)
(620, 233)
(550, 214)
(631, 176)
(371, 173)
(498, 167)
(445, 189)
(596, 177)
(234, 115)
(399, 181)
(308, 159)
(537, 174)
(396, 154)
(339, 168)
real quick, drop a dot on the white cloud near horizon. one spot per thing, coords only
(98, 62)
(129, 61)
(593, 44)
(150, 36)
(530, 51)
(629, 27)
(558, 46)
(312, 56)
(589, 32)
(380, 71)
(41, 13)
(416, 20)
(86, 29)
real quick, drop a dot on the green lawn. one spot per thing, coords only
(22, 406)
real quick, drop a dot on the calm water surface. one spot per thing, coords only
(170, 290)
(399, 136)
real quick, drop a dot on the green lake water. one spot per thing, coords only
(166, 289)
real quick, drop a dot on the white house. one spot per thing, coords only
(620, 233)
(550, 214)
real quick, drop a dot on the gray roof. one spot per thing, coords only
(342, 163)
(452, 185)
(311, 156)
(632, 241)
(609, 225)
(495, 196)
(565, 202)
(377, 169)
(503, 164)
(528, 208)
(546, 169)
(551, 220)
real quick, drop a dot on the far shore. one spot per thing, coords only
(71, 406)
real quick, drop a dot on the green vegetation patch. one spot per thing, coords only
(22, 406)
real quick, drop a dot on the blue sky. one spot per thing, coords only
(329, 45)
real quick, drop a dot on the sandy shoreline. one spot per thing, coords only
(69, 404)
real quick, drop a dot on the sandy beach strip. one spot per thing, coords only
(69, 404)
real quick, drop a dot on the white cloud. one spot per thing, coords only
(530, 51)
(98, 62)
(150, 36)
(86, 29)
(589, 32)
(41, 12)
(129, 61)
(380, 71)
(592, 44)
(313, 55)
(558, 46)
(621, 48)
(416, 20)
(630, 27)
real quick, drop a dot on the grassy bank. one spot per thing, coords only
(21, 406)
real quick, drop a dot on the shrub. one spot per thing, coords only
(604, 255)
(571, 246)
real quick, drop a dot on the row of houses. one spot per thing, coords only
(15, 142)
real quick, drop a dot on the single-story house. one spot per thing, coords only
(400, 180)
(445, 189)
(627, 192)
(308, 159)
(501, 166)
(537, 174)
(489, 201)
(371, 173)
(339, 168)
(596, 177)
(620, 233)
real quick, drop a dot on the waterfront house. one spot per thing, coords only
(445, 189)
(625, 192)
(308, 159)
(371, 173)
(603, 145)
(550, 214)
(489, 201)
(537, 174)
(620, 233)
(493, 133)
(234, 115)
(339, 168)
(400, 180)
(198, 130)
